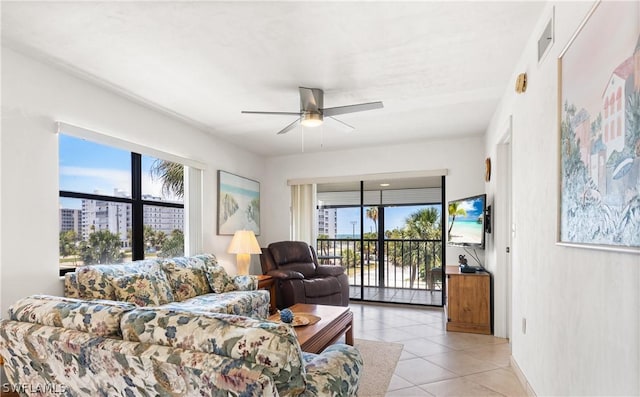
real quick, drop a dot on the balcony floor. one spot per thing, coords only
(397, 295)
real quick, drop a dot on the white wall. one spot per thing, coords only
(582, 306)
(34, 96)
(462, 157)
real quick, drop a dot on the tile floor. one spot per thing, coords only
(435, 362)
(397, 295)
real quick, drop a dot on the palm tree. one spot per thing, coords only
(454, 210)
(372, 213)
(423, 224)
(103, 247)
(67, 243)
(171, 174)
(174, 245)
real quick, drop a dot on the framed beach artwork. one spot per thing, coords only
(599, 114)
(238, 204)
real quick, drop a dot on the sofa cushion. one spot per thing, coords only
(62, 362)
(245, 282)
(219, 280)
(101, 318)
(270, 344)
(139, 289)
(200, 261)
(242, 303)
(94, 281)
(186, 282)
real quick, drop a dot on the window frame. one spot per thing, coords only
(137, 207)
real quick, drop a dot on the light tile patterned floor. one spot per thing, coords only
(435, 362)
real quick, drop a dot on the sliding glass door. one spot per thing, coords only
(387, 235)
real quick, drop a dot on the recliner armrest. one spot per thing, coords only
(285, 274)
(329, 270)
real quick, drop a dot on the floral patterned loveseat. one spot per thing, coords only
(74, 347)
(183, 283)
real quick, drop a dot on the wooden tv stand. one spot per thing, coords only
(468, 301)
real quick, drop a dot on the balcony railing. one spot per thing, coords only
(409, 264)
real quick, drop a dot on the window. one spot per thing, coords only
(116, 205)
(619, 126)
(619, 99)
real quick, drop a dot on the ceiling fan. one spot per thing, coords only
(312, 111)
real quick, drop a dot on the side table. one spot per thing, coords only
(268, 283)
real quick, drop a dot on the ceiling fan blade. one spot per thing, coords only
(311, 99)
(343, 123)
(280, 113)
(289, 127)
(361, 107)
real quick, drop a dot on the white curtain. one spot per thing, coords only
(193, 211)
(303, 213)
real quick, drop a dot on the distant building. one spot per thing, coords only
(97, 215)
(163, 219)
(70, 220)
(328, 222)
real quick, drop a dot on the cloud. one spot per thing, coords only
(89, 180)
(467, 205)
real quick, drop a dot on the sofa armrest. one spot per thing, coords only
(71, 289)
(334, 372)
(329, 270)
(246, 283)
(285, 274)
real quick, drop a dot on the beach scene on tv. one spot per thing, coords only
(466, 221)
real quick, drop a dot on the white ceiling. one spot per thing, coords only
(439, 67)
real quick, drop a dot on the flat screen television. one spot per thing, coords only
(466, 223)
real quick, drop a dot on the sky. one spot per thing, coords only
(88, 167)
(394, 218)
(474, 208)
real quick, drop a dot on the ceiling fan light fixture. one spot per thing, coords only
(310, 119)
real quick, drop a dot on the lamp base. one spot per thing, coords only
(243, 261)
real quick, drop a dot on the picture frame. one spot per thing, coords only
(599, 131)
(238, 204)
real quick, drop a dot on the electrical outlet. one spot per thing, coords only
(524, 326)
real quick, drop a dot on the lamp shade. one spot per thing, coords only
(244, 242)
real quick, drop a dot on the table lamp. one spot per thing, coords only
(244, 244)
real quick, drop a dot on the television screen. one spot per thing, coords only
(467, 222)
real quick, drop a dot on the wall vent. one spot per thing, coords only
(546, 39)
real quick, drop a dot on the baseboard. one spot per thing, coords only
(523, 379)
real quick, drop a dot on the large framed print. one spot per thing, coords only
(238, 204)
(599, 114)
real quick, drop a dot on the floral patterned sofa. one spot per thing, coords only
(107, 348)
(184, 283)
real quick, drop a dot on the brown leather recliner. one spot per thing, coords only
(299, 277)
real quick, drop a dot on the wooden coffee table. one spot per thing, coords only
(334, 322)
